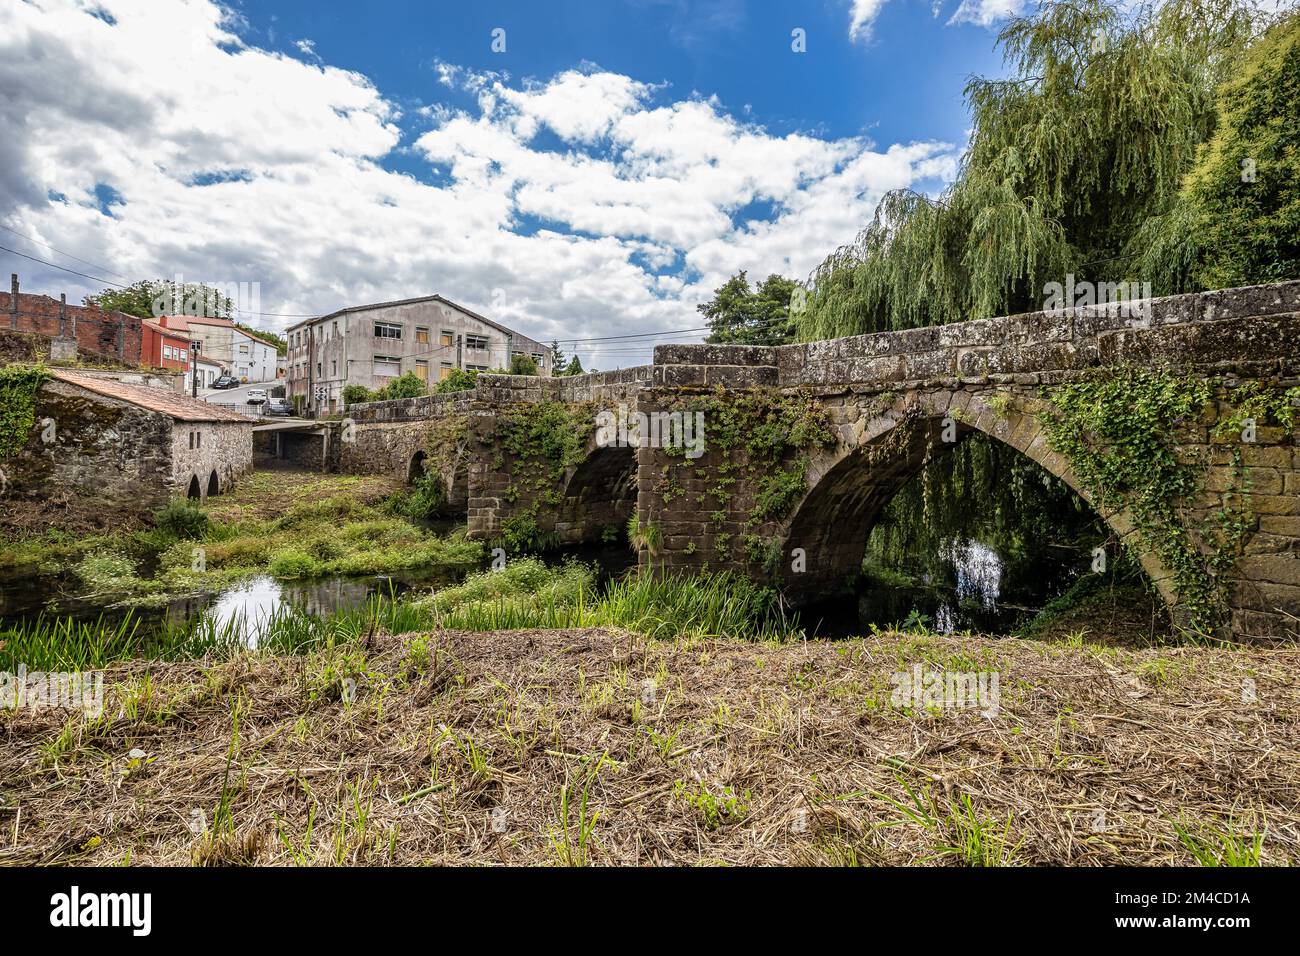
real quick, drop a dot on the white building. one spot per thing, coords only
(239, 353)
(370, 345)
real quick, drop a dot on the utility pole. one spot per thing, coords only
(195, 345)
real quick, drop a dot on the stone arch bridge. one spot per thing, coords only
(805, 444)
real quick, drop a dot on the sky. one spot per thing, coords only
(576, 169)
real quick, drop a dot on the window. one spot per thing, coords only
(336, 326)
(319, 373)
(387, 366)
(445, 371)
(540, 359)
(387, 330)
(446, 337)
(334, 368)
(180, 354)
(422, 370)
(479, 342)
(515, 355)
(243, 350)
(477, 368)
(421, 336)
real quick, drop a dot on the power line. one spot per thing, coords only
(60, 251)
(118, 285)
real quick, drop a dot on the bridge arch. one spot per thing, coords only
(599, 492)
(850, 485)
(416, 467)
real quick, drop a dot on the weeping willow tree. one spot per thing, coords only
(1022, 511)
(1084, 144)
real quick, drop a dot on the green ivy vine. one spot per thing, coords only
(543, 440)
(1119, 428)
(761, 440)
(18, 387)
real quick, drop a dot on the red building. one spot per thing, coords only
(161, 347)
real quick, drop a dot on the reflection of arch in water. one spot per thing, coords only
(850, 487)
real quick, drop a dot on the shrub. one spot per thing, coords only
(523, 365)
(460, 380)
(293, 563)
(182, 519)
(356, 394)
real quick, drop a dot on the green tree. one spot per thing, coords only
(574, 367)
(459, 380)
(558, 358)
(151, 298)
(739, 315)
(1238, 221)
(522, 365)
(1075, 158)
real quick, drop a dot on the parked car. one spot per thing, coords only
(278, 406)
(257, 396)
(226, 381)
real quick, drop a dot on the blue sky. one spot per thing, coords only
(600, 176)
(903, 83)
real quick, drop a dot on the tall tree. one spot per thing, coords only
(151, 298)
(1081, 146)
(558, 359)
(740, 315)
(1237, 221)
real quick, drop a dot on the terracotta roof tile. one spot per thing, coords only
(180, 407)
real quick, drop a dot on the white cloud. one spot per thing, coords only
(589, 204)
(986, 12)
(862, 16)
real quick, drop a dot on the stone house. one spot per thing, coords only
(101, 450)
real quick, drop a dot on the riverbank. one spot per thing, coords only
(601, 746)
(293, 526)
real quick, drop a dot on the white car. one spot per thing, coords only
(257, 396)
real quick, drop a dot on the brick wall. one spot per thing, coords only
(108, 333)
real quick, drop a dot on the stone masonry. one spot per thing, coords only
(888, 397)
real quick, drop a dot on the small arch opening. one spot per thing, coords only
(214, 485)
(195, 490)
(417, 467)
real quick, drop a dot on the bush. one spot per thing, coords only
(293, 563)
(356, 395)
(522, 365)
(426, 499)
(460, 380)
(183, 519)
(407, 386)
